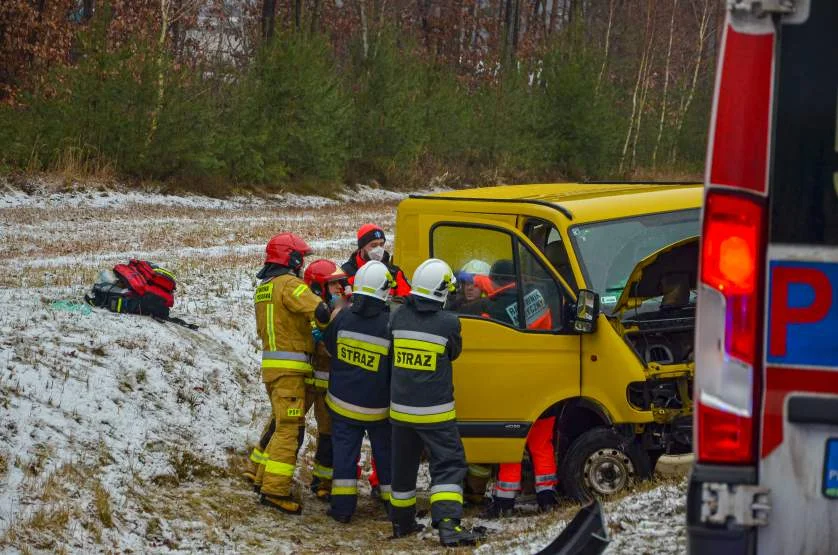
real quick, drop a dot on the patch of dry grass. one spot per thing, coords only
(102, 503)
(66, 247)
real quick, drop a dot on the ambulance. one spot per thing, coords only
(766, 378)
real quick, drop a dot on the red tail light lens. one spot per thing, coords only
(727, 437)
(731, 245)
(728, 334)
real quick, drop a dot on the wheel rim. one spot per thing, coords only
(607, 471)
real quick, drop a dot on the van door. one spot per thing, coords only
(520, 354)
(799, 443)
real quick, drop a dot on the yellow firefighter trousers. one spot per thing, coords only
(317, 397)
(259, 454)
(288, 395)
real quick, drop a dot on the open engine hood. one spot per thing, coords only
(678, 261)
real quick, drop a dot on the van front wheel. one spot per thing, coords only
(602, 463)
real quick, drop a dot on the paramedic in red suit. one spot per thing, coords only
(500, 288)
(371, 241)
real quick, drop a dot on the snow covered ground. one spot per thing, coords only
(120, 433)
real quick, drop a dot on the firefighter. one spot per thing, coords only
(426, 339)
(324, 279)
(371, 241)
(359, 386)
(285, 308)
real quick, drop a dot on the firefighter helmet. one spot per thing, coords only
(433, 279)
(373, 280)
(287, 249)
(319, 274)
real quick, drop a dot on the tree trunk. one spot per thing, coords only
(88, 6)
(475, 25)
(510, 33)
(516, 21)
(298, 15)
(268, 19)
(161, 76)
(665, 85)
(424, 9)
(554, 11)
(365, 31)
(315, 17)
(611, 5)
(637, 94)
(684, 106)
(641, 109)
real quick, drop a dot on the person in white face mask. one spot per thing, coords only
(371, 242)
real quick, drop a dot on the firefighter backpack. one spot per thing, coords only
(138, 287)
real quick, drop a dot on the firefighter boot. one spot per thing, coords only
(283, 504)
(322, 489)
(547, 500)
(343, 519)
(451, 534)
(251, 476)
(402, 529)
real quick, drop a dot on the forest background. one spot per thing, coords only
(217, 96)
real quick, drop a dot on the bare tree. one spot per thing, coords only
(665, 84)
(611, 5)
(640, 88)
(315, 17)
(298, 15)
(707, 8)
(169, 14)
(268, 19)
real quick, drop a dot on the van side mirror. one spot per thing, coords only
(587, 311)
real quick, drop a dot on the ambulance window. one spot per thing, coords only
(543, 300)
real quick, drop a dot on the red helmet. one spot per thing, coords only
(320, 273)
(288, 250)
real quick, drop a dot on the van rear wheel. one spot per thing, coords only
(602, 463)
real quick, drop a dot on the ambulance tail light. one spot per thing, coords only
(728, 335)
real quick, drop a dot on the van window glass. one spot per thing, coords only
(548, 240)
(493, 282)
(543, 301)
(610, 250)
(483, 261)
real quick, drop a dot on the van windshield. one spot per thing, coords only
(609, 251)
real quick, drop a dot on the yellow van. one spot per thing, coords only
(605, 278)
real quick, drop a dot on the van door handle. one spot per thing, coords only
(808, 409)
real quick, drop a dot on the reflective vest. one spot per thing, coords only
(502, 304)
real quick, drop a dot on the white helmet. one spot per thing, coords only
(373, 279)
(433, 279)
(476, 266)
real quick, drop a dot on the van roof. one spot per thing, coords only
(593, 201)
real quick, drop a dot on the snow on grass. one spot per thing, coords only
(110, 198)
(121, 433)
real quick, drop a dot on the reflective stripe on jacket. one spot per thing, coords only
(425, 341)
(358, 340)
(284, 310)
